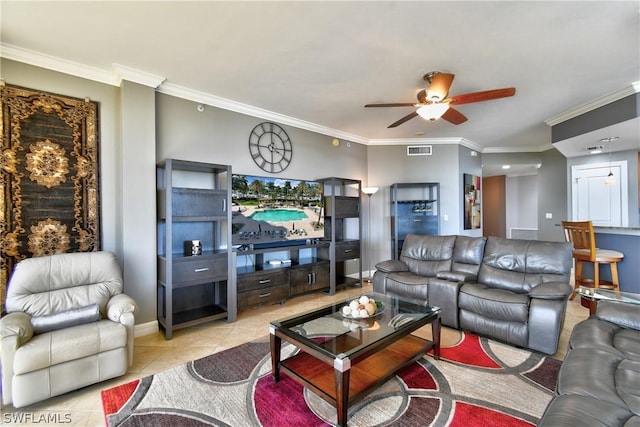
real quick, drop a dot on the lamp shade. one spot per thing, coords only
(369, 190)
(432, 111)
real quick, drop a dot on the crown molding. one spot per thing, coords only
(122, 72)
(238, 107)
(502, 150)
(54, 63)
(114, 77)
(596, 103)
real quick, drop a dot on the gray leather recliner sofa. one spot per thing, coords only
(599, 381)
(68, 326)
(512, 290)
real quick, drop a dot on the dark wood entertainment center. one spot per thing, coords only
(194, 202)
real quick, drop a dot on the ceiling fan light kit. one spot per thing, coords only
(435, 102)
(432, 112)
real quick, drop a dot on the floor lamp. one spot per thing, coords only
(369, 191)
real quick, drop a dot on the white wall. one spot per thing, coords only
(521, 202)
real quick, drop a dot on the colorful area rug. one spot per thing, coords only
(478, 382)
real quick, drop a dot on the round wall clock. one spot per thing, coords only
(270, 147)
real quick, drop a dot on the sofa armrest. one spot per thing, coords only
(122, 308)
(120, 304)
(392, 266)
(16, 324)
(622, 314)
(444, 294)
(457, 276)
(551, 290)
(15, 330)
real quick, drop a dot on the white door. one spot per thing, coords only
(596, 198)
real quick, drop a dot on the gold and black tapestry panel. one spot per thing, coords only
(49, 189)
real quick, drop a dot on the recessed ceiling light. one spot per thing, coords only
(610, 139)
(506, 166)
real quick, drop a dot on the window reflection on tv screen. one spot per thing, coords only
(267, 209)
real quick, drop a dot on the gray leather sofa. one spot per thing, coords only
(68, 326)
(599, 381)
(511, 290)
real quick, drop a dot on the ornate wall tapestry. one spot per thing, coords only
(49, 189)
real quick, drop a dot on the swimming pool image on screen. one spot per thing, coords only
(278, 215)
(275, 209)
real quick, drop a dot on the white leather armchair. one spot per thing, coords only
(68, 325)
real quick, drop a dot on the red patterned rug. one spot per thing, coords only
(478, 382)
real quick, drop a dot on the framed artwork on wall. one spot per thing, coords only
(471, 202)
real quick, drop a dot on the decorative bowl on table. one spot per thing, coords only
(362, 308)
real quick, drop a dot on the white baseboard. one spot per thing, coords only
(146, 329)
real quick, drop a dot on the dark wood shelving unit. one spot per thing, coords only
(415, 208)
(342, 229)
(193, 203)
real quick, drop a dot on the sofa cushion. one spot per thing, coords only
(494, 303)
(594, 333)
(584, 411)
(66, 319)
(627, 384)
(520, 265)
(592, 372)
(52, 348)
(51, 284)
(468, 253)
(426, 255)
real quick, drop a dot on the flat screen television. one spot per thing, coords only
(271, 212)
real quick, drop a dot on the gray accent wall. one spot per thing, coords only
(552, 195)
(390, 164)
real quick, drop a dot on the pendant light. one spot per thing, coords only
(610, 179)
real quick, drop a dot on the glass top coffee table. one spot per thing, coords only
(355, 355)
(596, 294)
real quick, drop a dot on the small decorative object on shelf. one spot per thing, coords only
(192, 247)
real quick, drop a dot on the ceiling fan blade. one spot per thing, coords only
(396, 104)
(439, 87)
(487, 95)
(454, 116)
(404, 119)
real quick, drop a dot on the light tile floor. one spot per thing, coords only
(154, 354)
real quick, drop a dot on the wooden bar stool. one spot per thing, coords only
(580, 233)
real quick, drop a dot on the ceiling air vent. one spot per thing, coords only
(419, 150)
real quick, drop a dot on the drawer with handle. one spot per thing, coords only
(248, 282)
(267, 295)
(347, 250)
(199, 270)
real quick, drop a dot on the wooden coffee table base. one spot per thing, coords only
(345, 382)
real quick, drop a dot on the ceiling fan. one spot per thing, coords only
(433, 102)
